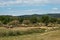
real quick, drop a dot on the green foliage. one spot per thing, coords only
(20, 19)
(58, 21)
(47, 19)
(28, 20)
(33, 19)
(5, 19)
(53, 20)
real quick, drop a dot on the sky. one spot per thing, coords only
(28, 7)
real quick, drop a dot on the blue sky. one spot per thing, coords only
(28, 7)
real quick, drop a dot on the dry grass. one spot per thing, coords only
(54, 35)
(12, 32)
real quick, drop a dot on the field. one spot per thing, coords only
(50, 35)
(53, 35)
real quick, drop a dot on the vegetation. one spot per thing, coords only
(53, 35)
(47, 19)
(10, 26)
(15, 20)
(9, 32)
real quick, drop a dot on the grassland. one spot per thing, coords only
(33, 33)
(53, 35)
(12, 32)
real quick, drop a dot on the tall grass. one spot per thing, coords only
(8, 32)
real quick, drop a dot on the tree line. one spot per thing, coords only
(15, 20)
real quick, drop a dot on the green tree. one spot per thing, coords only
(47, 19)
(33, 19)
(20, 20)
(5, 19)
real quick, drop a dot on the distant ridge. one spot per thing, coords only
(54, 15)
(57, 15)
(38, 15)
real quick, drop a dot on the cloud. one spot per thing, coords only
(9, 8)
(27, 2)
(7, 3)
(54, 1)
(25, 12)
(54, 8)
(22, 2)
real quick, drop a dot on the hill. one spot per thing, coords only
(54, 15)
(57, 15)
(38, 15)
